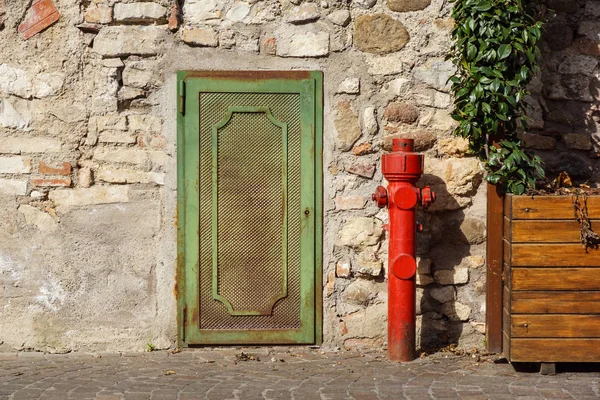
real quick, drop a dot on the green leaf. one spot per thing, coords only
(483, 6)
(504, 51)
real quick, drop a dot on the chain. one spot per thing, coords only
(587, 236)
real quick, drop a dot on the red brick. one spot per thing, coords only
(41, 15)
(51, 182)
(64, 169)
(269, 46)
(362, 149)
(174, 18)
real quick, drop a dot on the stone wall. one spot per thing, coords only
(564, 105)
(88, 168)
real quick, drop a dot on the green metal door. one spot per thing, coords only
(249, 207)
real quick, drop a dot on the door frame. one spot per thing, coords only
(187, 317)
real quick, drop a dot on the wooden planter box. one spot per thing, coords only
(551, 296)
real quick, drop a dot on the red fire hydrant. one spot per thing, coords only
(402, 168)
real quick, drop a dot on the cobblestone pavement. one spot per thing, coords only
(279, 373)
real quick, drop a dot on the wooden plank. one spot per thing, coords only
(555, 231)
(506, 276)
(554, 350)
(553, 255)
(494, 253)
(555, 278)
(577, 302)
(506, 345)
(507, 203)
(550, 207)
(554, 326)
(506, 299)
(505, 251)
(507, 222)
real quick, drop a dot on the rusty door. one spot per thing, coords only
(249, 207)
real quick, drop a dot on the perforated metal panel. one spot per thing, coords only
(249, 207)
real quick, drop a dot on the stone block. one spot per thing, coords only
(343, 268)
(63, 169)
(443, 294)
(559, 36)
(401, 112)
(198, 12)
(86, 177)
(578, 141)
(370, 322)
(95, 195)
(455, 276)
(291, 43)
(587, 46)
(367, 264)
(379, 34)
(453, 146)
(366, 4)
(589, 29)
(18, 145)
(238, 11)
(362, 149)
(360, 232)
(388, 64)
(473, 230)
(456, 311)
(349, 202)
(42, 220)
(118, 41)
(349, 86)
(369, 121)
(346, 125)
(361, 168)
(16, 114)
(15, 165)
(145, 123)
(339, 17)
(360, 292)
(330, 285)
(408, 5)
(139, 12)
(203, 37)
(117, 137)
(435, 74)
(432, 98)
(98, 14)
(112, 122)
(121, 155)
(141, 74)
(16, 187)
(114, 175)
(579, 64)
(303, 13)
(537, 141)
(129, 93)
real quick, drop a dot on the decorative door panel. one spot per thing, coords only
(249, 214)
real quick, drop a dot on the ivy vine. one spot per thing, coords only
(495, 51)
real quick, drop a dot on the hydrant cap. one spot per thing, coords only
(404, 266)
(405, 145)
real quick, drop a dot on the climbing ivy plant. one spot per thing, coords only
(495, 51)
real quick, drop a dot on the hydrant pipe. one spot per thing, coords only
(402, 168)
